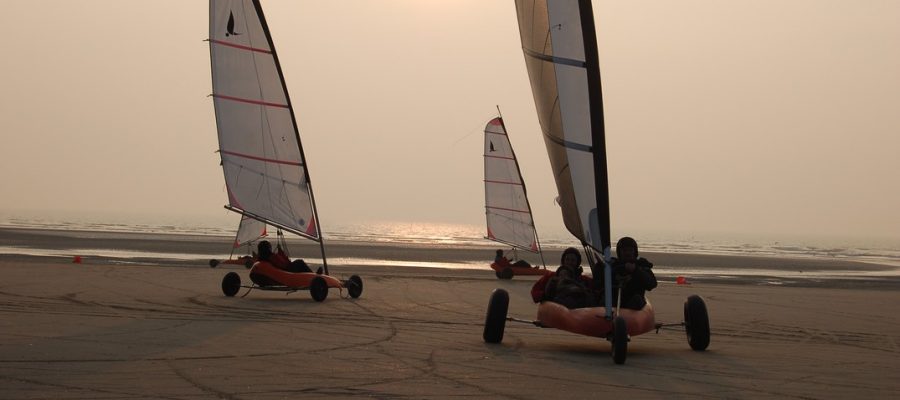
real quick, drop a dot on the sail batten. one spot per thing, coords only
(507, 211)
(266, 174)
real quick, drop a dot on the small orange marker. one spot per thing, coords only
(77, 260)
(681, 280)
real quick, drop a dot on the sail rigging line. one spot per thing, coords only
(501, 157)
(556, 60)
(237, 46)
(504, 183)
(249, 101)
(507, 209)
(263, 159)
(265, 27)
(569, 145)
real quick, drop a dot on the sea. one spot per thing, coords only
(868, 250)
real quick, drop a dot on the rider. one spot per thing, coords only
(502, 261)
(568, 286)
(279, 258)
(632, 274)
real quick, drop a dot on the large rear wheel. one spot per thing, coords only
(354, 286)
(318, 289)
(619, 340)
(495, 320)
(231, 283)
(505, 273)
(696, 323)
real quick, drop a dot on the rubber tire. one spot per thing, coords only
(495, 319)
(318, 289)
(248, 263)
(498, 274)
(506, 273)
(696, 323)
(231, 284)
(354, 286)
(213, 263)
(620, 340)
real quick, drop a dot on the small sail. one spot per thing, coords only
(506, 205)
(249, 231)
(262, 157)
(560, 46)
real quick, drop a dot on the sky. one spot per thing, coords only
(766, 117)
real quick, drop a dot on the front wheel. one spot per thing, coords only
(696, 323)
(354, 286)
(619, 340)
(495, 319)
(213, 263)
(318, 289)
(231, 283)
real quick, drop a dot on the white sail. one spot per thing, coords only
(262, 158)
(249, 231)
(560, 46)
(506, 205)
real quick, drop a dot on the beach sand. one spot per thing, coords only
(101, 329)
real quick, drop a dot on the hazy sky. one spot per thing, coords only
(772, 117)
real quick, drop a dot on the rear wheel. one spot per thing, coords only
(213, 263)
(619, 340)
(495, 320)
(231, 283)
(318, 289)
(505, 273)
(696, 323)
(354, 286)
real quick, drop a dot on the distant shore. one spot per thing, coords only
(40, 245)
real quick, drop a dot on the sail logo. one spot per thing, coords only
(229, 28)
(492, 147)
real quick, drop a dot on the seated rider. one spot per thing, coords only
(279, 259)
(633, 275)
(502, 261)
(568, 286)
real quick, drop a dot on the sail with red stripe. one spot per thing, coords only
(506, 205)
(266, 175)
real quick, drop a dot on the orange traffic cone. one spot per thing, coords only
(77, 260)
(681, 280)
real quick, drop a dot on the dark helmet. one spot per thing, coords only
(499, 252)
(264, 250)
(577, 270)
(626, 242)
(570, 250)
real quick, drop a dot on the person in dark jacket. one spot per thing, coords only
(632, 275)
(568, 286)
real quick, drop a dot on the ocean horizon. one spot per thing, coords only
(875, 251)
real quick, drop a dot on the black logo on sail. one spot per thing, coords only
(492, 146)
(229, 28)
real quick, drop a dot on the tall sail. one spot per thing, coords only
(265, 171)
(506, 205)
(560, 46)
(249, 230)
